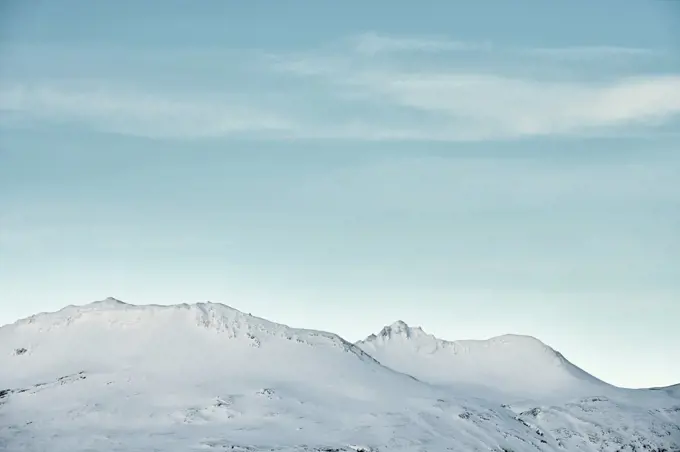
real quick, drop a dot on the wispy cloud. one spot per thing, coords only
(347, 93)
(135, 112)
(373, 43)
(492, 106)
(462, 101)
(585, 52)
(462, 105)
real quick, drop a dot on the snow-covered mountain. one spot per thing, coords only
(111, 376)
(673, 390)
(511, 364)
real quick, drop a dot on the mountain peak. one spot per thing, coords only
(496, 362)
(108, 302)
(399, 324)
(117, 311)
(400, 329)
(115, 318)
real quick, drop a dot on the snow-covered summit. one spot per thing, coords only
(415, 336)
(157, 338)
(398, 329)
(401, 333)
(205, 376)
(109, 302)
(115, 314)
(521, 364)
(117, 317)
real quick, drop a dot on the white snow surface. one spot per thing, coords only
(205, 377)
(519, 366)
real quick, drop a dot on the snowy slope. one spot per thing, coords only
(110, 376)
(517, 365)
(673, 391)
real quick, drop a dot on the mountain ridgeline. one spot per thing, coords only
(113, 376)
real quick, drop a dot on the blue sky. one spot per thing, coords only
(502, 167)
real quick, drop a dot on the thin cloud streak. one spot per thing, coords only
(489, 106)
(373, 43)
(497, 107)
(357, 97)
(585, 52)
(135, 112)
(456, 107)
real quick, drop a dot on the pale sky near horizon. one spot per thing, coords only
(476, 168)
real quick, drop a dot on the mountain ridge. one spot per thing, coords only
(233, 322)
(494, 362)
(205, 376)
(401, 328)
(218, 317)
(211, 310)
(211, 315)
